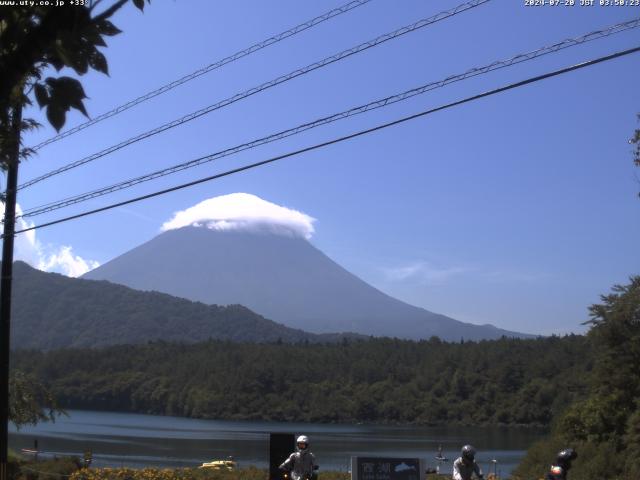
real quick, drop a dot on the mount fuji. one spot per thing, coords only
(280, 276)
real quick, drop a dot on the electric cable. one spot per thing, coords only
(213, 66)
(523, 57)
(252, 91)
(339, 139)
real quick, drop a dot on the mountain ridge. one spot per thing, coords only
(53, 311)
(284, 278)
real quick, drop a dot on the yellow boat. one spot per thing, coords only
(228, 464)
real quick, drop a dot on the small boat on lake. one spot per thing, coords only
(229, 464)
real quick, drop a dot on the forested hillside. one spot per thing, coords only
(53, 311)
(506, 381)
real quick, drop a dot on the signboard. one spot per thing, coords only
(386, 468)
(281, 445)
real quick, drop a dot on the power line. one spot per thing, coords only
(213, 66)
(272, 83)
(341, 139)
(523, 57)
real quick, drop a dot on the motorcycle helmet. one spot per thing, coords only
(302, 443)
(566, 456)
(468, 453)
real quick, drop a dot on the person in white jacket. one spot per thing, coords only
(465, 465)
(301, 463)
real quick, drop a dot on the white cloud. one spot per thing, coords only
(46, 257)
(65, 262)
(424, 272)
(243, 212)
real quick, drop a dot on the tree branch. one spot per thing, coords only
(110, 11)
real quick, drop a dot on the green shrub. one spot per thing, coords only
(45, 470)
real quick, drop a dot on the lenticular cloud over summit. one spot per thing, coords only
(243, 212)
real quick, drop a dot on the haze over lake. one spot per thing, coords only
(120, 439)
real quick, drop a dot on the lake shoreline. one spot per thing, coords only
(136, 441)
(546, 428)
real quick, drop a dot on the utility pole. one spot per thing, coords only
(13, 159)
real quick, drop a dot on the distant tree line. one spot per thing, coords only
(508, 381)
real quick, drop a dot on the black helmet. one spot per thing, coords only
(468, 452)
(565, 456)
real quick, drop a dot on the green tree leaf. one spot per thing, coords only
(105, 27)
(98, 62)
(56, 116)
(27, 397)
(41, 93)
(66, 93)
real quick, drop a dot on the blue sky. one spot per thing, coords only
(517, 210)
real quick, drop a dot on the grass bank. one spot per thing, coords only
(70, 468)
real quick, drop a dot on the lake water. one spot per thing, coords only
(121, 439)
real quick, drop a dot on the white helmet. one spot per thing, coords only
(302, 443)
